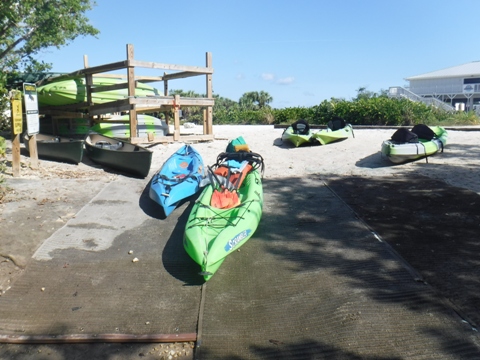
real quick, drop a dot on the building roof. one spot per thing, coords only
(471, 69)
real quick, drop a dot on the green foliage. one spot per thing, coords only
(255, 100)
(3, 147)
(29, 26)
(378, 110)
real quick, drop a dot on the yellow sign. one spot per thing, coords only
(17, 118)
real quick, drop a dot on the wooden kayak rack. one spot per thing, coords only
(134, 104)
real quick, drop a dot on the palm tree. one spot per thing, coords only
(254, 100)
(264, 99)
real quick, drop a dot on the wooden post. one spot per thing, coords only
(16, 155)
(32, 149)
(88, 87)
(209, 95)
(165, 93)
(17, 128)
(176, 116)
(131, 91)
(205, 126)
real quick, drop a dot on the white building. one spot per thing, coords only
(457, 86)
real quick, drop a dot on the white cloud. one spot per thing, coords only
(268, 77)
(240, 76)
(286, 81)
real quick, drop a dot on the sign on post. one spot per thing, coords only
(31, 108)
(16, 108)
(17, 128)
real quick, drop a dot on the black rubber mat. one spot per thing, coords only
(315, 283)
(93, 292)
(432, 225)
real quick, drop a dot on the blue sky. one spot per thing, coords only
(301, 52)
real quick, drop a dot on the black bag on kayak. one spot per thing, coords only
(423, 132)
(336, 124)
(403, 135)
(301, 127)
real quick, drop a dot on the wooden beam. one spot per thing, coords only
(170, 139)
(97, 338)
(116, 86)
(131, 91)
(143, 104)
(111, 107)
(81, 73)
(154, 65)
(208, 61)
(65, 114)
(181, 75)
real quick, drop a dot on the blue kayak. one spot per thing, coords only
(178, 178)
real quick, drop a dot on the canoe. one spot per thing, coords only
(118, 154)
(337, 130)
(178, 178)
(400, 152)
(213, 232)
(298, 133)
(73, 91)
(146, 124)
(57, 148)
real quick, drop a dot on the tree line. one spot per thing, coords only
(29, 26)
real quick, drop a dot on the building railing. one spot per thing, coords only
(400, 92)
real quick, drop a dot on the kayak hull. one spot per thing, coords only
(328, 136)
(399, 153)
(118, 154)
(57, 148)
(296, 139)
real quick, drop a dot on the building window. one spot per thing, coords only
(471, 81)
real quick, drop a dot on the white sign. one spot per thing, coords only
(468, 89)
(31, 108)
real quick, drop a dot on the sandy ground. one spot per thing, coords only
(41, 200)
(355, 156)
(44, 198)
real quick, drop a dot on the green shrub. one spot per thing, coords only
(379, 110)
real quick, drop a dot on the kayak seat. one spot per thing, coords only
(234, 175)
(301, 127)
(336, 124)
(224, 199)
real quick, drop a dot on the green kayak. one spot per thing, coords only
(146, 124)
(298, 133)
(73, 91)
(212, 233)
(337, 130)
(400, 150)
